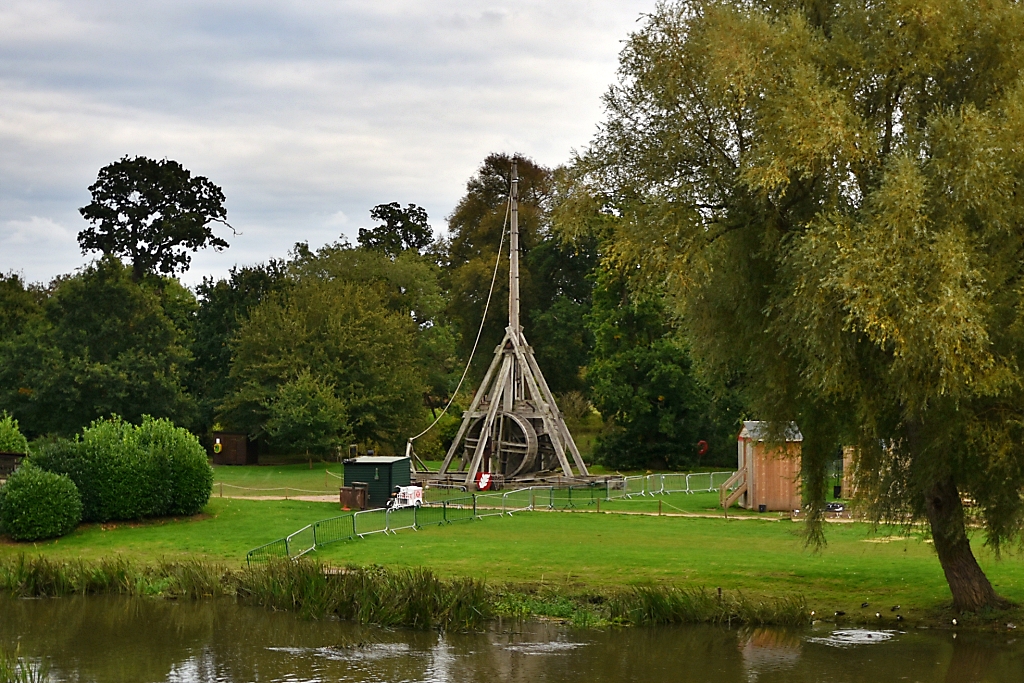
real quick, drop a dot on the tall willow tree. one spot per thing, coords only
(832, 190)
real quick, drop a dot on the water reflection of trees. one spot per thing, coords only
(140, 640)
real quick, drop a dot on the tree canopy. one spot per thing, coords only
(334, 343)
(831, 194)
(99, 345)
(153, 213)
(403, 229)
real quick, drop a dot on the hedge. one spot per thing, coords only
(126, 472)
(183, 458)
(36, 504)
(11, 438)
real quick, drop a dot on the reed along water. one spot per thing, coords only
(139, 640)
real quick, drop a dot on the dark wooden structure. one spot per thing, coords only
(9, 462)
(381, 474)
(234, 449)
(353, 497)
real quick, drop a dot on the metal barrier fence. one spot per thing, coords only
(300, 542)
(659, 484)
(616, 488)
(267, 552)
(635, 486)
(333, 530)
(435, 493)
(476, 506)
(460, 509)
(489, 504)
(719, 478)
(370, 522)
(401, 518)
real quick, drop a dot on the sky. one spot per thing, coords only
(306, 113)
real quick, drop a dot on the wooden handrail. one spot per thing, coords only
(739, 479)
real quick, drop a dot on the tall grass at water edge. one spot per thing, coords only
(26, 576)
(653, 605)
(666, 605)
(15, 669)
(414, 598)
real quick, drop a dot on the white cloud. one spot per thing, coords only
(307, 114)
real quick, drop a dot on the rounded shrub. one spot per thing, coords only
(37, 504)
(11, 438)
(178, 455)
(127, 472)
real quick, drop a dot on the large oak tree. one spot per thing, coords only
(153, 213)
(832, 191)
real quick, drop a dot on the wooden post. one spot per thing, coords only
(659, 507)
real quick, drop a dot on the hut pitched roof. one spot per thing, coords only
(757, 430)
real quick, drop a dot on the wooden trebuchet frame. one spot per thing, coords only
(513, 427)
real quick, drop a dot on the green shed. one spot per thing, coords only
(381, 473)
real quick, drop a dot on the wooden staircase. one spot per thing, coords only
(737, 482)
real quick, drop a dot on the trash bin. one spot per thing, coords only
(353, 497)
(837, 492)
(762, 508)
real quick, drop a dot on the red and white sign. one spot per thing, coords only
(483, 481)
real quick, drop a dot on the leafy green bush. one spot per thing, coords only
(176, 451)
(128, 472)
(11, 439)
(38, 504)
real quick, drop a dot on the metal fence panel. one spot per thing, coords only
(561, 498)
(459, 509)
(267, 552)
(698, 482)
(635, 486)
(616, 488)
(401, 518)
(584, 495)
(430, 514)
(488, 504)
(301, 542)
(435, 493)
(370, 522)
(673, 483)
(333, 530)
(655, 483)
(719, 478)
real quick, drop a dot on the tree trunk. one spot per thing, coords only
(137, 271)
(970, 587)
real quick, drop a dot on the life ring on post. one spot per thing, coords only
(702, 447)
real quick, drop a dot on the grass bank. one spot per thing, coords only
(557, 562)
(414, 598)
(224, 532)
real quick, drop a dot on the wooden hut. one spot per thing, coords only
(768, 473)
(233, 448)
(380, 474)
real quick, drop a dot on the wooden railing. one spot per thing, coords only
(738, 484)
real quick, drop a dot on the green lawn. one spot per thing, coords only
(756, 557)
(225, 531)
(298, 477)
(576, 550)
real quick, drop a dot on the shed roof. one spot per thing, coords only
(757, 430)
(377, 459)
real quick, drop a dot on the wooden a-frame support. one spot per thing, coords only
(513, 386)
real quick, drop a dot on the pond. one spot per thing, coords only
(114, 639)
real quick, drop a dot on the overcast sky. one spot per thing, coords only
(306, 113)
